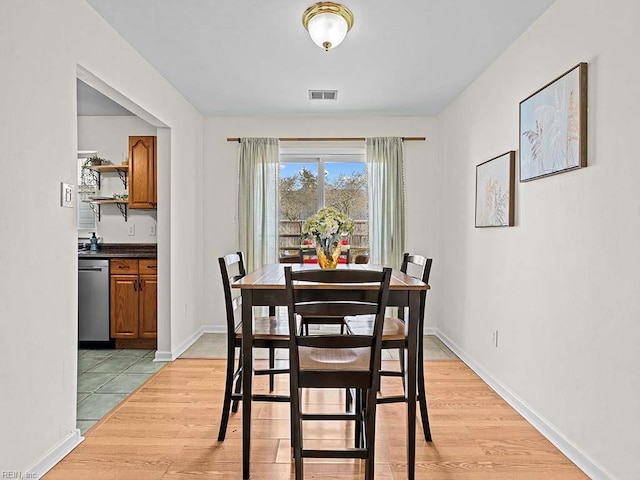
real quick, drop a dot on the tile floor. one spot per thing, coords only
(106, 377)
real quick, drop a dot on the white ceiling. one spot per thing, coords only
(254, 57)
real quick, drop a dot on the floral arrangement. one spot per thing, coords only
(326, 227)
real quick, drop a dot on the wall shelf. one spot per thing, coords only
(96, 206)
(121, 170)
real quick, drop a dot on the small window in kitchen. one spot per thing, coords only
(86, 186)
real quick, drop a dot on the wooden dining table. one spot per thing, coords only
(266, 287)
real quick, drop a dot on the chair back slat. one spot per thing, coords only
(290, 259)
(231, 269)
(423, 263)
(341, 308)
(336, 341)
(361, 259)
(329, 276)
(347, 293)
(310, 252)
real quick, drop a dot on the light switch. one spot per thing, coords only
(66, 195)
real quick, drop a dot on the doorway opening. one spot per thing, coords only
(120, 312)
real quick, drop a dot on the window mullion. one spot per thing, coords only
(321, 176)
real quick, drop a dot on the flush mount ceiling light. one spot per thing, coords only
(327, 23)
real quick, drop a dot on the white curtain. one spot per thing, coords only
(385, 172)
(258, 201)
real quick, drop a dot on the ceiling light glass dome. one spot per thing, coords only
(327, 23)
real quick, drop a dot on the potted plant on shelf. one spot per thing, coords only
(326, 229)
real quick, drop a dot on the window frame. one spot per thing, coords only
(322, 155)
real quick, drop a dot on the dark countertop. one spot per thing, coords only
(121, 250)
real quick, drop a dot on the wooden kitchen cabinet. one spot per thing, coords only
(124, 306)
(142, 173)
(134, 299)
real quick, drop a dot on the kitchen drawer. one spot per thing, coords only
(148, 267)
(124, 266)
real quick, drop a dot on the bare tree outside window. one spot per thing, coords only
(298, 191)
(348, 193)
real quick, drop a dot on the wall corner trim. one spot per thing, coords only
(162, 357)
(55, 454)
(551, 433)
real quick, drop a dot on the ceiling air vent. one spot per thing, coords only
(323, 94)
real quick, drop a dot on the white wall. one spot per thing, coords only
(41, 44)
(221, 181)
(562, 285)
(110, 137)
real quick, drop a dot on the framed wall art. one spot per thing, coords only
(553, 126)
(495, 181)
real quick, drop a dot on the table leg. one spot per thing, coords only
(247, 374)
(410, 382)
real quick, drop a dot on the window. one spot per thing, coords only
(310, 182)
(86, 186)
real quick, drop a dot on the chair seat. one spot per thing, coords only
(268, 328)
(392, 329)
(325, 359)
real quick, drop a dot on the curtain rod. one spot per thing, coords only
(330, 139)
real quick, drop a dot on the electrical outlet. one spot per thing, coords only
(494, 338)
(152, 231)
(132, 230)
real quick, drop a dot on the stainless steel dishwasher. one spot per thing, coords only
(93, 300)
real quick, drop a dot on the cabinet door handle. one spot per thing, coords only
(140, 284)
(135, 285)
(123, 267)
(152, 266)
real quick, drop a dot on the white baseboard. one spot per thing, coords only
(162, 357)
(57, 453)
(430, 331)
(551, 433)
(171, 356)
(214, 329)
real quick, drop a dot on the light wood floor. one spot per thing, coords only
(168, 428)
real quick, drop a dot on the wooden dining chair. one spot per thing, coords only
(290, 259)
(393, 337)
(335, 360)
(269, 332)
(309, 255)
(361, 259)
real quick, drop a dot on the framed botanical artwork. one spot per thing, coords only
(495, 180)
(553, 126)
